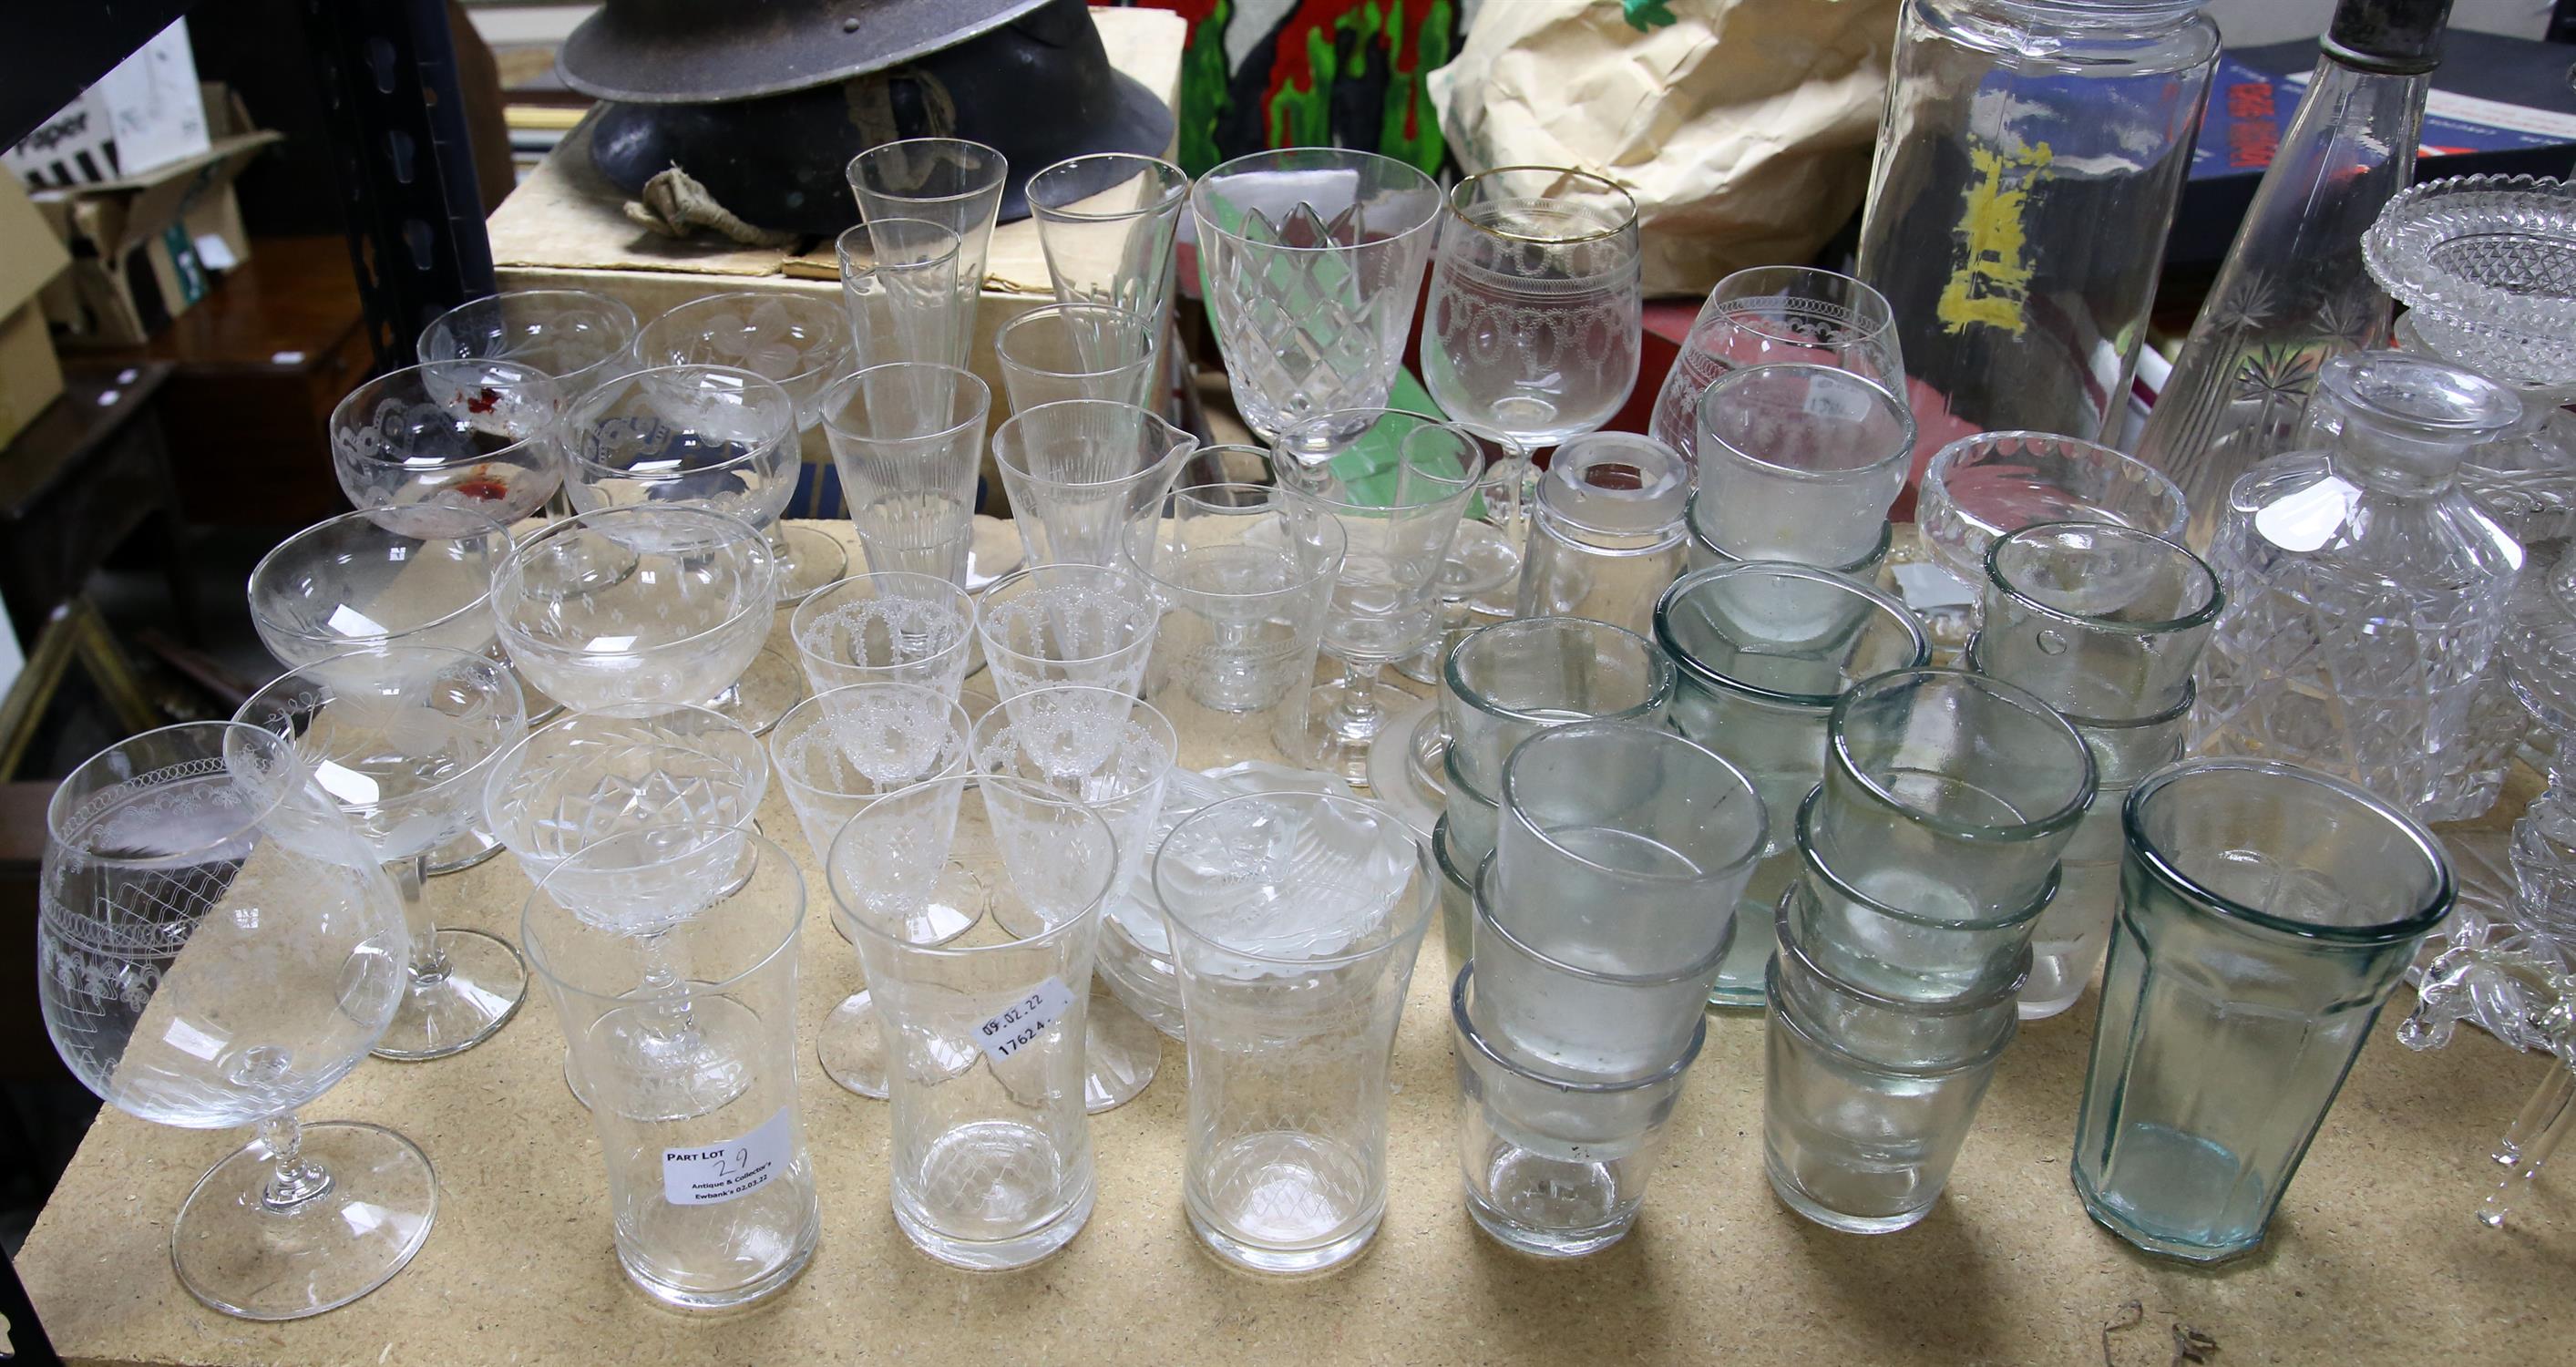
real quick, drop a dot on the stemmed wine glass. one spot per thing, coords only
(417, 447)
(1771, 315)
(1478, 584)
(400, 736)
(215, 948)
(801, 344)
(577, 337)
(1396, 483)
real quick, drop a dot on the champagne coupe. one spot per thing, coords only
(418, 447)
(400, 737)
(215, 948)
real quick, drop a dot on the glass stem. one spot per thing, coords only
(666, 981)
(1360, 713)
(2544, 1121)
(428, 961)
(296, 1180)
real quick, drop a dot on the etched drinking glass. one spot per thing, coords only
(908, 440)
(1075, 351)
(215, 948)
(1769, 315)
(899, 288)
(712, 1202)
(1067, 624)
(1800, 462)
(1535, 312)
(635, 610)
(416, 447)
(401, 737)
(1081, 472)
(575, 336)
(991, 1145)
(347, 582)
(1396, 483)
(951, 182)
(886, 628)
(1296, 919)
(1310, 259)
(1107, 223)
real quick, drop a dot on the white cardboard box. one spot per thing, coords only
(138, 118)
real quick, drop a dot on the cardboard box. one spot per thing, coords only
(30, 256)
(138, 118)
(143, 246)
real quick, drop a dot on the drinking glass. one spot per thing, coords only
(1800, 462)
(1295, 919)
(1478, 583)
(1310, 259)
(1107, 223)
(197, 877)
(1769, 315)
(1241, 586)
(1899, 952)
(347, 582)
(576, 337)
(634, 610)
(991, 1146)
(1075, 351)
(1396, 483)
(1606, 534)
(836, 752)
(908, 439)
(900, 289)
(886, 628)
(435, 450)
(799, 343)
(1949, 794)
(1050, 740)
(1081, 472)
(712, 1205)
(1457, 898)
(951, 182)
(1536, 306)
(1553, 1168)
(1507, 682)
(1893, 1030)
(1704, 552)
(1761, 652)
(2266, 913)
(401, 737)
(1979, 487)
(1474, 819)
(2104, 623)
(1060, 624)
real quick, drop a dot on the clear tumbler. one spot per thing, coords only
(1296, 919)
(1800, 462)
(2099, 621)
(2266, 913)
(1507, 682)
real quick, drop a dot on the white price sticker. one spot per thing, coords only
(1018, 1025)
(718, 1173)
(1928, 587)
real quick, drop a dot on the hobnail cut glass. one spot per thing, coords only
(2488, 266)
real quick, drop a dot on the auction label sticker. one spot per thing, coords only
(718, 1173)
(1017, 1025)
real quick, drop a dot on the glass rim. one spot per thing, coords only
(1464, 488)
(1514, 810)
(468, 777)
(481, 603)
(1269, 506)
(1127, 321)
(1777, 1005)
(1706, 967)
(835, 320)
(1685, 662)
(984, 157)
(806, 611)
(1889, 401)
(584, 411)
(1865, 567)
(834, 398)
(957, 710)
(515, 756)
(1838, 754)
(867, 229)
(1154, 422)
(1459, 193)
(1407, 925)
(1668, 1076)
(1458, 783)
(2207, 612)
(1203, 191)
(1881, 322)
(2206, 902)
(1147, 602)
(1174, 190)
(2174, 712)
(1660, 680)
(1140, 712)
(587, 298)
(762, 846)
(1987, 1000)
(1814, 860)
(513, 570)
(222, 732)
(1046, 933)
(535, 384)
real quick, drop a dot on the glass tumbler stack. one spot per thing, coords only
(1601, 918)
(1926, 857)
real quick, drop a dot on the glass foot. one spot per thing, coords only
(1122, 1049)
(1395, 770)
(460, 854)
(811, 559)
(236, 1254)
(676, 1060)
(852, 1050)
(484, 982)
(763, 694)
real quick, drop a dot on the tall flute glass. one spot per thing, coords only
(908, 440)
(1772, 315)
(948, 181)
(899, 288)
(198, 879)
(1535, 303)
(1396, 483)
(1108, 223)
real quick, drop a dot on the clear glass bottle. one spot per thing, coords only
(2029, 161)
(2292, 292)
(2365, 591)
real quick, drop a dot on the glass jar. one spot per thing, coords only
(2044, 142)
(2365, 589)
